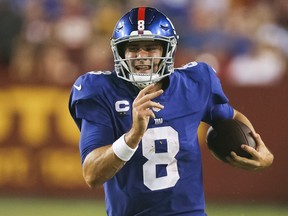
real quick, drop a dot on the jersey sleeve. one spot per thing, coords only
(91, 114)
(218, 104)
(93, 135)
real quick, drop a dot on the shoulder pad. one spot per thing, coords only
(91, 83)
(198, 71)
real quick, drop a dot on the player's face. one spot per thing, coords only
(142, 53)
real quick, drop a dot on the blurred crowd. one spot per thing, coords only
(54, 41)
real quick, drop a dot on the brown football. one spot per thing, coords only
(228, 135)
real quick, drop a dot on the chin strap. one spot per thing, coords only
(143, 80)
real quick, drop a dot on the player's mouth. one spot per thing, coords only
(143, 68)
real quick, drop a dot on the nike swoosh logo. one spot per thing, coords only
(78, 87)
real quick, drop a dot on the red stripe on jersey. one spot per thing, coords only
(141, 19)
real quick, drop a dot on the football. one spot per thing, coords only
(228, 135)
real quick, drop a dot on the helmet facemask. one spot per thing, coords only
(125, 70)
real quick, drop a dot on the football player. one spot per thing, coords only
(139, 123)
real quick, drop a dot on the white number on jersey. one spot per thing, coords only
(164, 158)
(100, 72)
(188, 65)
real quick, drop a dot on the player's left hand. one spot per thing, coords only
(261, 156)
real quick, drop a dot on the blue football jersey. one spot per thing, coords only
(164, 176)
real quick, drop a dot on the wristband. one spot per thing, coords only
(122, 150)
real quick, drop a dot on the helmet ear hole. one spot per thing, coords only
(164, 45)
(121, 49)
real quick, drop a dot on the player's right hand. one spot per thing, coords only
(142, 108)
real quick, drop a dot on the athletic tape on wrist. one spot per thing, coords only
(122, 150)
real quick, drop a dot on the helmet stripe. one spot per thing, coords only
(141, 19)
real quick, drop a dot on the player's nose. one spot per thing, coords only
(142, 53)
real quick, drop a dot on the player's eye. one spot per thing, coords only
(148, 49)
(132, 49)
(152, 48)
(145, 48)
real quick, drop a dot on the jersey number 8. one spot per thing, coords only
(167, 158)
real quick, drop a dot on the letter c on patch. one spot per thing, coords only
(122, 106)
